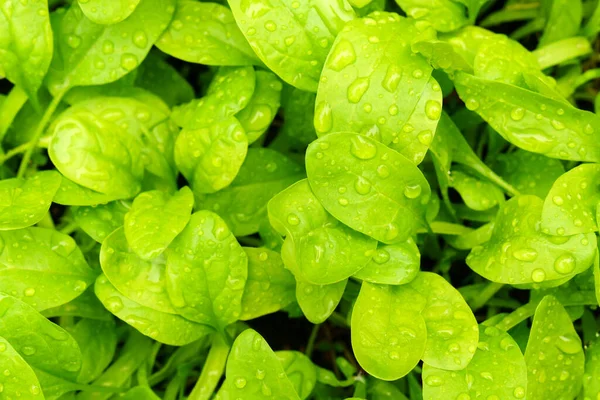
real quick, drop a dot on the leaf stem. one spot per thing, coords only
(311, 340)
(39, 130)
(516, 317)
(485, 295)
(212, 371)
(13, 152)
(10, 108)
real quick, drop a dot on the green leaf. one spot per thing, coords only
(269, 286)
(230, 91)
(142, 281)
(207, 271)
(43, 345)
(520, 253)
(155, 219)
(86, 305)
(570, 207)
(353, 175)
(91, 54)
(443, 15)
(254, 370)
(87, 134)
(101, 220)
(206, 33)
(478, 194)
(107, 13)
(563, 18)
(392, 264)
(263, 106)
(388, 333)
(26, 44)
(21, 380)
(554, 356)
(497, 369)
(292, 39)
(365, 83)
(98, 343)
(211, 157)
(42, 267)
(71, 194)
(26, 201)
(299, 370)
(320, 250)
(532, 121)
(159, 77)
(263, 174)
(165, 328)
(298, 109)
(591, 378)
(529, 173)
(452, 332)
(140, 393)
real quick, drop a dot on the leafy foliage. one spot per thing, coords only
(299, 199)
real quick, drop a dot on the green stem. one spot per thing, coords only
(516, 317)
(311, 340)
(212, 370)
(38, 131)
(13, 152)
(485, 295)
(338, 319)
(10, 108)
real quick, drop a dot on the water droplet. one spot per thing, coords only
(433, 110)
(519, 392)
(565, 264)
(129, 61)
(362, 148)
(381, 256)
(434, 380)
(140, 39)
(323, 117)
(114, 304)
(29, 292)
(35, 390)
(73, 41)
(271, 26)
(341, 56)
(525, 254)
(240, 382)
(2, 347)
(343, 201)
(517, 114)
(108, 47)
(362, 186)
(412, 191)
(417, 73)
(260, 374)
(472, 103)
(393, 110)
(392, 78)
(569, 344)
(265, 390)
(425, 137)
(538, 275)
(557, 125)
(383, 171)
(357, 89)
(558, 200)
(28, 350)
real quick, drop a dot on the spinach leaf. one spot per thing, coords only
(26, 201)
(206, 272)
(553, 351)
(352, 175)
